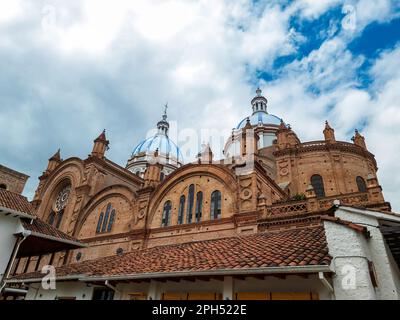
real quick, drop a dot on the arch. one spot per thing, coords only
(49, 209)
(3, 186)
(318, 184)
(215, 212)
(105, 195)
(70, 171)
(222, 174)
(361, 185)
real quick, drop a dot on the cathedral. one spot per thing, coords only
(275, 218)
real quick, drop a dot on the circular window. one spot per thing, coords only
(62, 198)
(120, 251)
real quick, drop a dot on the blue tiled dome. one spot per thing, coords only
(260, 117)
(161, 142)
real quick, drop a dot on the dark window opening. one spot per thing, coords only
(362, 187)
(189, 212)
(318, 184)
(166, 214)
(59, 218)
(3, 186)
(52, 218)
(103, 294)
(199, 205)
(106, 220)
(216, 205)
(181, 209)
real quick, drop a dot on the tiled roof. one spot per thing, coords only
(15, 201)
(40, 227)
(297, 247)
(351, 225)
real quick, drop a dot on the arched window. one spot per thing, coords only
(106, 219)
(162, 176)
(166, 214)
(215, 205)
(3, 186)
(362, 187)
(111, 221)
(181, 209)
(100, 222)
(59, 218)
(199, 205)
(51, 218)
(318, 184)
(189, 212)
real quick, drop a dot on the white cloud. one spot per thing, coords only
(94, 64)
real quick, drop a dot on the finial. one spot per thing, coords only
(165, 111)
(258, 91)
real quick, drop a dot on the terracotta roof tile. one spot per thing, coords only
(299, 247)
(15, 201)
(41, 227)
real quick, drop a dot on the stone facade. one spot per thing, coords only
(114, 210)
(12, 180)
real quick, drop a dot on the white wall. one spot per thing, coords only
(154, 289)
(351, 249)
(8, 227)
(76, 289)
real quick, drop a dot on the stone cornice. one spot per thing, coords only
(322, 145)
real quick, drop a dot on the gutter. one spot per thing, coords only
(325, 282)
(16, 213)
(160, 275)
(222, 272)
(36, 280)
(48, 237)
(3, 281)
(14, 290)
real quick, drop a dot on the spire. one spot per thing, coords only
(358, 139)
(54, 161)
(282, 125)
(329, 133)
(258, 92)
(56, 156)
(205, 155)
(163, 124)
(100, 145)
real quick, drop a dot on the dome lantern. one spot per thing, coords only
(259, 102)
(168, 153)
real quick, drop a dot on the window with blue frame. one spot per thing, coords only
(189, 212)
(216, 205)
(199, 205)
(166, 214)
(181, 211)
(106, 220)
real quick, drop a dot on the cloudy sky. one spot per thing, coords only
(69, 69)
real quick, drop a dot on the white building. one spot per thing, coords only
(342, 253)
